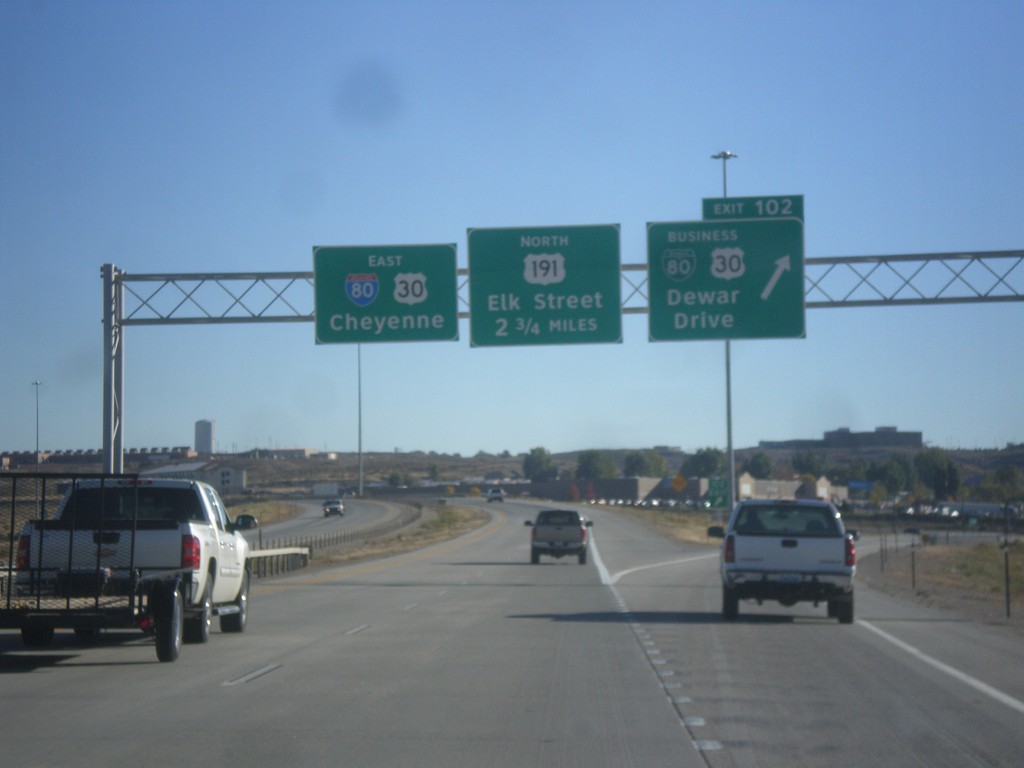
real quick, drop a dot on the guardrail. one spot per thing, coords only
(272, 562)
(277, 556)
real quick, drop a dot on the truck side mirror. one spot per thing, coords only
(246, 523)
(528, 523)
(716, 532)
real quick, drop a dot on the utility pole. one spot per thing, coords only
(359, 375)
(725, 156)
(37, 384)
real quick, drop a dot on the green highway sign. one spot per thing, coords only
(718, 492)
(774, 207)
(544, 285)
(725, 279)
(385, 293)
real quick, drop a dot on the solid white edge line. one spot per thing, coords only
(606, 578)
(964, 678)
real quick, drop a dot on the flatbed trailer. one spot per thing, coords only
(66, 573)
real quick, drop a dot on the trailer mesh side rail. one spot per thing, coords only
(78, 589)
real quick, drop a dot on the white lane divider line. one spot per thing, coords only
(615, 577)
(988, 690)
(641, 634)
(252, 675)
(707, 745)
(358, 629)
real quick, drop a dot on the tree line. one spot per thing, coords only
(539, 465)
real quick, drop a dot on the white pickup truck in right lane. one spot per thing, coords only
(789, 551)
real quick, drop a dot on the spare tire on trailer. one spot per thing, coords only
(169, 616)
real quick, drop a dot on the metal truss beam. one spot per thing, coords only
(830, 282)
(288, 297)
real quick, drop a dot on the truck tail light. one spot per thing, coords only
(190, 552)
(583, 534)
(729, 553)
(851, 552)
(24, 544)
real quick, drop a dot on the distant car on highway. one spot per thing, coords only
(559, 533)
(334, 507)
(495, 494)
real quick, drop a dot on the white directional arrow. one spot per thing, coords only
(781, 265)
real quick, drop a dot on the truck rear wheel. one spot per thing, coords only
(534, 556)
(730, 603)
(235, 622)
(197, 628)
(583, 557)
(843, 610)
(169, 617)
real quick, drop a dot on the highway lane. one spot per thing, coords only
(466, 655)
(905, 685)
(312, 522)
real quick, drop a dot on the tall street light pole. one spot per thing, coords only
(359, 375)
(37, 384)
(725, 156)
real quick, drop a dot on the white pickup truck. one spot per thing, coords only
(789, 551)
(120, 552)
(559, 533)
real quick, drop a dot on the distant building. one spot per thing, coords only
(882, 437)
(752, 488)
(287, 453)
(205, 437)
(225, 479)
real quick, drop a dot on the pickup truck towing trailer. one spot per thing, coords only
(788, 551)
(559, 533)
(96, 552)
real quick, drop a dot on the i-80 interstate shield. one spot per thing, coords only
(362, 289)
(679, 264)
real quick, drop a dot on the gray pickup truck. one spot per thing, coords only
(789, 551)
(559, 533)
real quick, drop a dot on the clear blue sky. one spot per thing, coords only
(235, 136)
